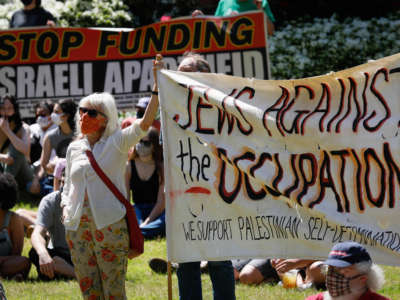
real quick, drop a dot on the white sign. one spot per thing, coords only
(282, 168)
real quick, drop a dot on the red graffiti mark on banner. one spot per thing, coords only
(198, 190)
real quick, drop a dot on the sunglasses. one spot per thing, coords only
(146, 143)
(91, 112)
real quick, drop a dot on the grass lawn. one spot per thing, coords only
(143, 284)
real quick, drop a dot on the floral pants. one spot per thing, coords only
(99, 257)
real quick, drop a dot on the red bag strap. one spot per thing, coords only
(107, 180)
(135, 235)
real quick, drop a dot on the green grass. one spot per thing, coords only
(143, 284)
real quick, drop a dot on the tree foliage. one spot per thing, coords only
(96, 13)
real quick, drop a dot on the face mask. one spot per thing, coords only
(56, 118)
(26, 2)
(43, 121)
(143, 150)
(337, 284)
(89, 124)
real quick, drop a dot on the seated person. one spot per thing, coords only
(12, 264)
(145, 178)
(57, 139)
(28, 217)
(351, 274)
(38, 130)
(15, 146)
(309, 272)
(254, 271)
(52, 260)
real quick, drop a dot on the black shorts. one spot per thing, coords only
(34, 258)
(262, 265)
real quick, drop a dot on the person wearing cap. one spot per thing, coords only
(351, 274)
(140, 108)
(189, 273)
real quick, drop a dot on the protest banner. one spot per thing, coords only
(282, 168)
(40, 63)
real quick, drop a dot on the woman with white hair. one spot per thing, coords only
(96, 229)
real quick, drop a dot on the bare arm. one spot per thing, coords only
(16, 234)
(152, 108)
(284, 265)
(38, 241)
(158, 208)
(23, 143)
(45, 157)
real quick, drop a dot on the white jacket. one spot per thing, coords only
(111, 154)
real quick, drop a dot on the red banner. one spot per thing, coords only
(39, 63)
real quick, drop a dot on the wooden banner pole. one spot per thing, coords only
(169, 269)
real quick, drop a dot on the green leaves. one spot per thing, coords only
(96, 13)
(304, 49)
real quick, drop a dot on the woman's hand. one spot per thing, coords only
(147, 221)
(158, 64)
(152, 107)
(4, 125)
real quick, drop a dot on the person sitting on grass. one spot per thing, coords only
(308, 272)
(28, 217)
(53, 259)
(57, 139)
(188, 273)
(144, 177)
(255, 271)
(12, 264)
(15, 146)
(351, 275)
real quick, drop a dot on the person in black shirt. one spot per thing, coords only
(33, 14)
(145, 178)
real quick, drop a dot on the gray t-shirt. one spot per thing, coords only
(59, 141)
(49, 216)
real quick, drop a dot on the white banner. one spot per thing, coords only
(282, 168)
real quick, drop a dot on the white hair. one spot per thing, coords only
(105, 103)
(363, 267)
(375, 274)
(376, 277)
